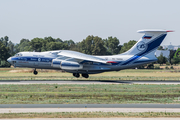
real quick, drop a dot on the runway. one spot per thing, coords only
(90, 106)
(40, 108)
(86, 82)
(124, 110)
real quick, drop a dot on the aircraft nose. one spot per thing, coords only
(9, 60)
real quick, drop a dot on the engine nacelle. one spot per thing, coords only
(56, 63)
(67, 65)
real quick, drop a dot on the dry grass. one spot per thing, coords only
(89, 115)
(138, 73)
(130, 74)
(31, 71)
(21, 71)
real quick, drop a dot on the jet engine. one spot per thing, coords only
(67, 65)
(56, 63)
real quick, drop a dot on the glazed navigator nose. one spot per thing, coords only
(9, 60)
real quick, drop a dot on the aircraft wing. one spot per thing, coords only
(81, 56)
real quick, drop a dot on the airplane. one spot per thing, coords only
(77, 63)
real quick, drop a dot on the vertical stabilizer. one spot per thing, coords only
(149, 43)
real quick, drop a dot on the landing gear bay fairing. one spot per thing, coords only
(77, 63)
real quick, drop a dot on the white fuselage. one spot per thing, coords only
(44, 60)
(78, 63)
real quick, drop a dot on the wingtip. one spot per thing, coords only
(111, 62)
(170, 31)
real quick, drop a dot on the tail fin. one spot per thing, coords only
(149, 43)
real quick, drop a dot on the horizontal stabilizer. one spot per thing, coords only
(154, 30)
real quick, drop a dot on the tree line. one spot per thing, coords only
(92, 45)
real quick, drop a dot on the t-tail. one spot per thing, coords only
(146, 46)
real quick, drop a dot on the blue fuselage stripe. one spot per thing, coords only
(58, 63)
(142, 61)
(132, 59)
(70, 65)
(34, 59)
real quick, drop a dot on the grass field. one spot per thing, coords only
(88, 94)
(130, 74)
(89, 115)
(71, 94)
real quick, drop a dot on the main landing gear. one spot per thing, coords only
(35, 72)
(83, 75)
(76, 75)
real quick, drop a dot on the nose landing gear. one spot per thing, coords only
(35, 72)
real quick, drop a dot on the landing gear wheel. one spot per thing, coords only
(35, 72)
(85, 75)
(76, 75)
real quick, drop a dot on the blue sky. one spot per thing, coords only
(76, 19)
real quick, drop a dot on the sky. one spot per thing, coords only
(76, 19)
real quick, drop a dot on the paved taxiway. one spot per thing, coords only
(86, 82)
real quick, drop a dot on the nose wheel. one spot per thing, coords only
(35, 72)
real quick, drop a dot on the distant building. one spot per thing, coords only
(175, 48)
(171, 47)
(164, 52)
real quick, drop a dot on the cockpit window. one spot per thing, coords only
(18, 54)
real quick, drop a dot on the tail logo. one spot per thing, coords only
(141, 46)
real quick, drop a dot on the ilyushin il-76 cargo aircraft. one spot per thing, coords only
(77, 63)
